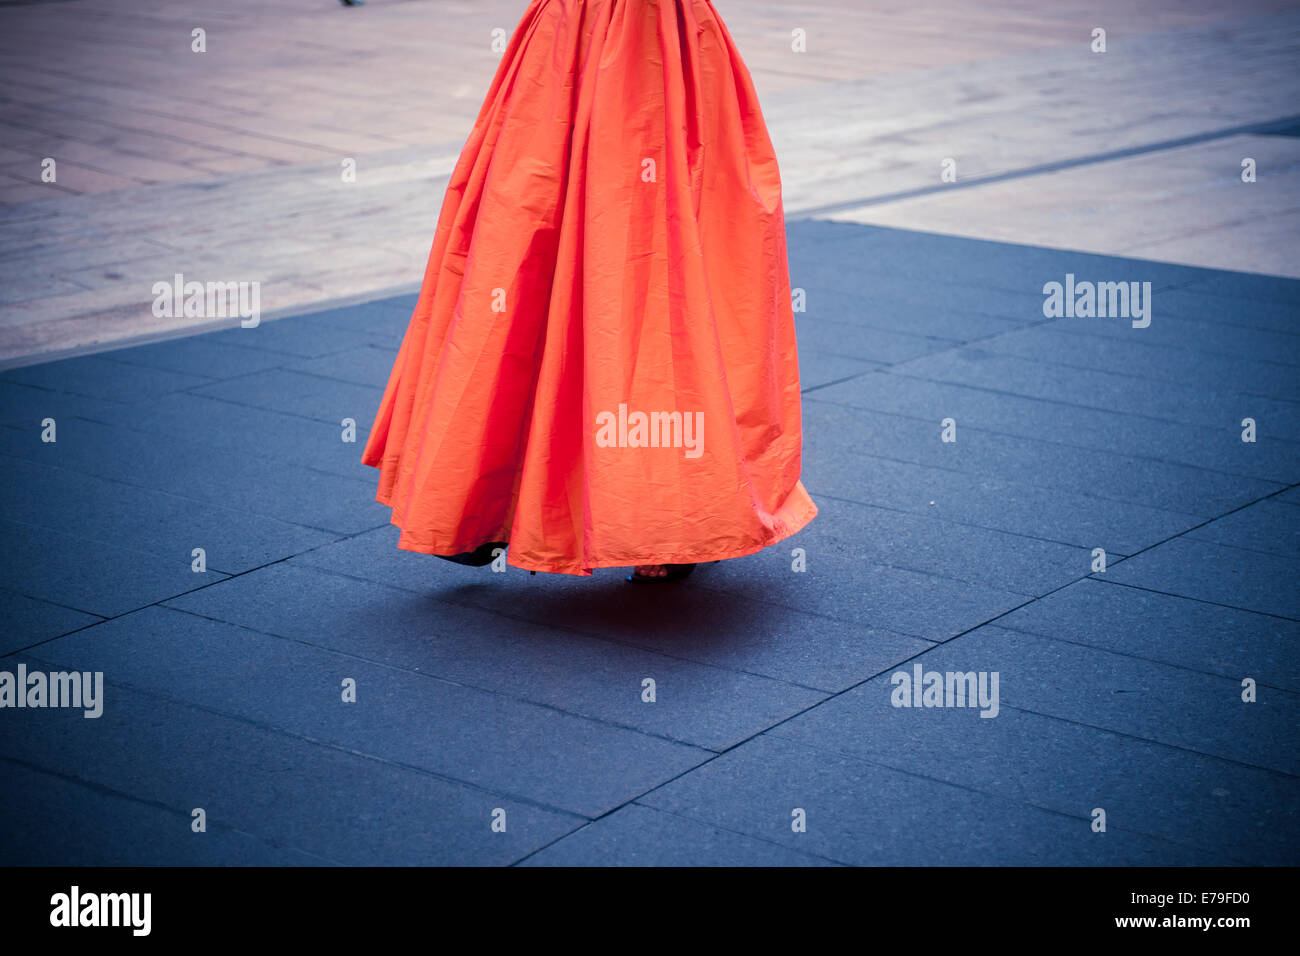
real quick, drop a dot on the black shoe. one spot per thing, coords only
(479, 557)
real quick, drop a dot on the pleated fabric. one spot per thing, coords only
(611, 244)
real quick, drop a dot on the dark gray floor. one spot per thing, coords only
(1118, 690)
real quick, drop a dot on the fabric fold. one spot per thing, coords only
(601, 367)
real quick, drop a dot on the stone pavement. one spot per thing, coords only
(1119, 689)
(226, 165)
(477, 692)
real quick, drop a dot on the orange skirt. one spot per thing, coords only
(601, 366)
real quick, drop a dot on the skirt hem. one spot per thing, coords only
(787, 529)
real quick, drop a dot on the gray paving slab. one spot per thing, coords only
(1194, 301)
(324, 802)
(941, 307)
(298, 336)
(1043, 463)
(55, 821)
(190, 468)
(494, 741)
(983, 501)
(1291, 496)
(1049, 344)
(1060, 421)
(26, 406)
(702, 705)
(1172, 630)
(978, 555)
(1197, 711)
(381, 320)
(894, 597)
(864, 343)
(250, 432)
(162, 524)
(364, 365)
(732, 631)
(1246, 286)
(1267, 526)
(1230, 814)
(96, 377)
(1199, 335)
(1236, 577)
(26, 620)
(641, 836)
(89, 575)
(200, 355)
(900, 308)
(1212, 406)
(863, 813)
(818, 368)
(295, 393)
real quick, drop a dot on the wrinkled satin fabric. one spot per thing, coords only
(611, 242)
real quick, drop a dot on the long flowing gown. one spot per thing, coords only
(601, 367)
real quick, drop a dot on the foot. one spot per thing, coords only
(660, 572)
(651, 571)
